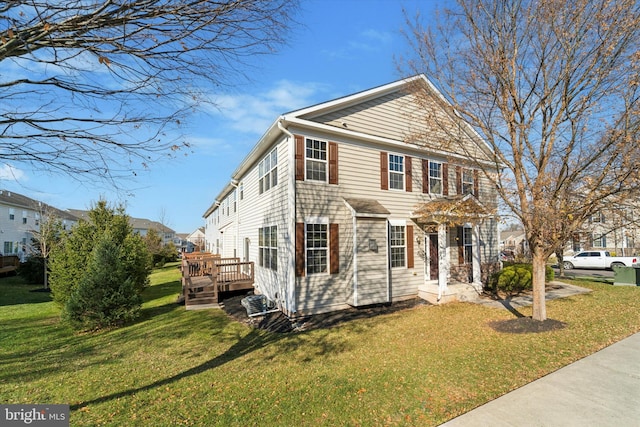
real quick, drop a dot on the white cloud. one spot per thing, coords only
(254, 113)
(10, 173)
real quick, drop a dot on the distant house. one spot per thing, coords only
(197, 239)
(514, 242)
(616, 230)
(339, 207)
(20, 216)
(140, 226)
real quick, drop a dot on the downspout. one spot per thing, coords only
(234, 184)
(290, 298)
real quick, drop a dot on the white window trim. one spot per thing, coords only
(323, 221)
(325, 162)
(403, 173)
(441, 178)
(261, 247)
(272, 166)
(467, 183)
(398, 223)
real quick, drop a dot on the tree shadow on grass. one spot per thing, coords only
(255, 340)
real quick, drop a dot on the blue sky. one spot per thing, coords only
(338, 47)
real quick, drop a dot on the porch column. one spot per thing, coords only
(475, 253)
(443, 260)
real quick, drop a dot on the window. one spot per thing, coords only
(398, 245)
(8, 248)
(599, 217)
(24, 220)
(242, 190)
(467, 181)
(396, 172)
(268, 172)
(467, 242)
(316, 247)
(435, 178)
(268, 247)
(599, 241)
(316, 160)
(235, 204)
(12, 214)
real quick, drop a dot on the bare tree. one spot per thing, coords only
(46, 235)
(552, 87)
(101, 87)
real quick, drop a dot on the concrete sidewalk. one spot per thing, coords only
(600, 390)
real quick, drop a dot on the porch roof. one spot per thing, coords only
(452, 210)
(367, 208)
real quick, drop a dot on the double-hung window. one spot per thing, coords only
(467, 181)
(397, 237)
(268, 171)
(435, 177)
(12, 214)
(268, 247)
(396, 172)
(467, 242)
(317, 249)
(599, 241)
(316, 160)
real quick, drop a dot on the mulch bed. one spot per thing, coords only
(526, 325)
(278, 322)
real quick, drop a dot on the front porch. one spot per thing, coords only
(205, 276)
(456, 259)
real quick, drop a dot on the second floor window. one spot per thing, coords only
(396, 172)
(435, 178)
(268, 172)
(316, 160)
(467, 181)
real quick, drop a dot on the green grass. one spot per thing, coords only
(421, 366)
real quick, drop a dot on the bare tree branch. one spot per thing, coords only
(102, 87)
(552, 87)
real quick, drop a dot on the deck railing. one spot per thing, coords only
(223, 274)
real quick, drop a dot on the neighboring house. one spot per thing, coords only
(140, 225)
(197, 239)
(613, 230)
(338, 209)
(20, 216)
(514, 242)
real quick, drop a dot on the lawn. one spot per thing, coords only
(420, 366)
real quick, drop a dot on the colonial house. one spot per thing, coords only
(140, 226)
(616, 230)
(514, 243)
(341, 205)
(20, 216)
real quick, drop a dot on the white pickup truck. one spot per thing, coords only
(597, 259)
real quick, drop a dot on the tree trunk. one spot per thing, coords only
(539, 304)
(560, 259)
(46, 275)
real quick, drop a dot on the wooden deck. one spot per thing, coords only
(9, 264)
(206, 276)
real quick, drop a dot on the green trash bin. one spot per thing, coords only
(626, 276)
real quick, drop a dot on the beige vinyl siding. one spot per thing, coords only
(264, 210)
(372, 266)
(400, 117)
